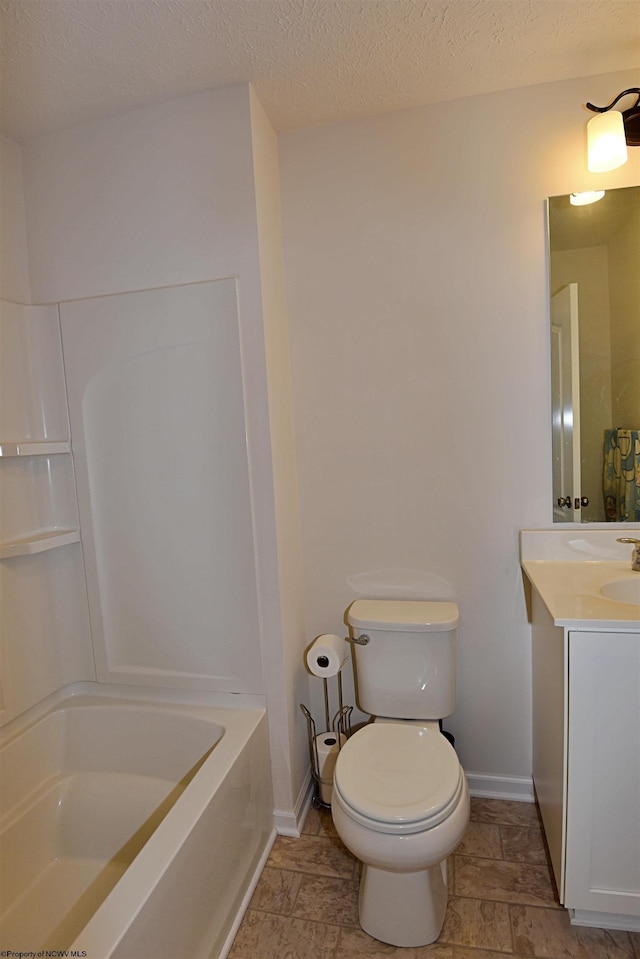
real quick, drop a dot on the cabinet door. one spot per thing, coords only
(603, 813)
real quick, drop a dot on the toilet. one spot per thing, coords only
(400, 799)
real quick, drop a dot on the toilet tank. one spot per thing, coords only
(407, 669)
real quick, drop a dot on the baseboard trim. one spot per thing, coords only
(488, 786)
(290, 822)
(481, 785)
(604, 920)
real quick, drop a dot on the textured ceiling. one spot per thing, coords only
(65, 62)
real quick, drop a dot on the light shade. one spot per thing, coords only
(606, 145)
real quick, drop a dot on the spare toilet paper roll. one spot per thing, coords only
(327, 749)
(327, 655)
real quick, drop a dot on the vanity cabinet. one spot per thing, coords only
(586, 765)
(603, 794)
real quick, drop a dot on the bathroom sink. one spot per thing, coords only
(626, 590)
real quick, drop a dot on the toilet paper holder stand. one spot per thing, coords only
(340, 726)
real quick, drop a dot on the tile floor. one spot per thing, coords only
(502, 899)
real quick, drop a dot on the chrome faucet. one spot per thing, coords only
(635, 556)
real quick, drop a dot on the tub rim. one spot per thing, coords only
(93, 693)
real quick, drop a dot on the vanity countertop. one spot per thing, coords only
(568, 568)
(571, 593)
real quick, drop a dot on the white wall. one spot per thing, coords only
(415, 260)
(163, 196)
(155, 197)
(14, 271)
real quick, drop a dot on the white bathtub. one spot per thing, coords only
(130, 828)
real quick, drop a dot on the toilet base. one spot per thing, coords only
(403, 908)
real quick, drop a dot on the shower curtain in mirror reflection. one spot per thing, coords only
(621, 479)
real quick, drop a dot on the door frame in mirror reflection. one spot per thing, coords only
(565, 404)
(596, 249)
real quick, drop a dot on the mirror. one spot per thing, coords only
(594, 285)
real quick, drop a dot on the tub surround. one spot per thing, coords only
(209, 212)
(586, 702)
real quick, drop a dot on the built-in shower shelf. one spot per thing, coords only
(39, 542)
(35, 448)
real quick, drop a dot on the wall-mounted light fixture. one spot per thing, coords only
(611, 131)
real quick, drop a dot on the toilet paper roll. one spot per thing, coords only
(327, 655)
(327, 752)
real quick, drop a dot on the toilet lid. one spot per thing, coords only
(399, 775)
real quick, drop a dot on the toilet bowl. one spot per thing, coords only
(400, 799)
(401, 806)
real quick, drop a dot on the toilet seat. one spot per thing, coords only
(398, 779)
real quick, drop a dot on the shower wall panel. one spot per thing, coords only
(156, 403)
